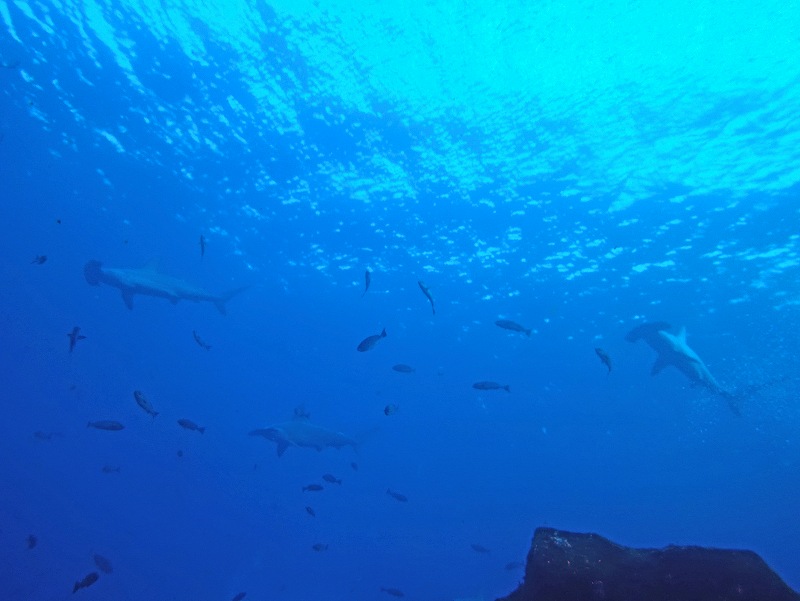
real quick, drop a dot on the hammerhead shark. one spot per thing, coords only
(673, 351)
(300, 432)
(148, 281)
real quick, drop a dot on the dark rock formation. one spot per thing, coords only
(565, 566)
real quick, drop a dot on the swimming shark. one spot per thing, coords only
(148, 281)
(300, 432)
(673, 351)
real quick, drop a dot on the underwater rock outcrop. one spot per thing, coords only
(567, 566)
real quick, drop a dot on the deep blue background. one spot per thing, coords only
(645, 461)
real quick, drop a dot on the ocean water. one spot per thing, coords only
(579, 168)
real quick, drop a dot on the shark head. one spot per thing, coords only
(93, 273)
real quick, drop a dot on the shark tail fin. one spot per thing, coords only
(733, 402)
(220, 302)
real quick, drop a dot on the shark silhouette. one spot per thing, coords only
(300, 432)
(673, 351)
(149, 282)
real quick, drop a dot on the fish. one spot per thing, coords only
(111, 469)
(103, 564)
(310, 511)
(673, 351)
(491, 386)
(426, 292)
(313, 488)
(32, 541)
(39, 259)
(606, 360)
(39, 435)
(74, 336)
(300, 432)
(514, 565)
(332, 479)
(354, 465)
(106, 424)
(200, 341)
(396, 495)
(190, 425)
(370, 341)
(367, 280)
(239, 597)
(202, 246)
(319, 547)
(86, 581)
(390, 409)
(479, 548)
(147, 281)
(142, 401)
(394, 592)
(507, 324)
(403, 368)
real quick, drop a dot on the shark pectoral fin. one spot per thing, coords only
(282, 446)
(658, 366)
(127, 297)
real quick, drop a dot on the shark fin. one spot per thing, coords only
(681, 336)
(220, 302)
(659, 365)
(282, 446)
(127, 297)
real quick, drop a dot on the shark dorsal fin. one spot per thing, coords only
(153, 265)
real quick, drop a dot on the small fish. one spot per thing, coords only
(103, 564)
(87, 581)
(111, 469)
(367, 280)
(142, 401)
(427, 293)
(313, 488)
(179, 453)
(200, 341)
(190, 425)
(396, 495)
(39, 435)
(514, 565)
(394, 592)
(370, 341)
(491, 386)
(354, 465)
(106, 424)
(479, 548)
(390, 409)
(239, 597)
(507, 324)
(319, 547)
(74, 336)
(403, 368)
(32, 541)
(331, 478)
(39, 259)
(604, 358)
(301, 413)
(310, 511)
(202, 246)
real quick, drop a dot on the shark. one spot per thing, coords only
(673, 351)
(300, 432)
(148, 281)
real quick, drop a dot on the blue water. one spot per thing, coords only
(579, 168)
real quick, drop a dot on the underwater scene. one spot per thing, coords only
(342, 300)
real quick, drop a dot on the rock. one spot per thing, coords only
(567, 566)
